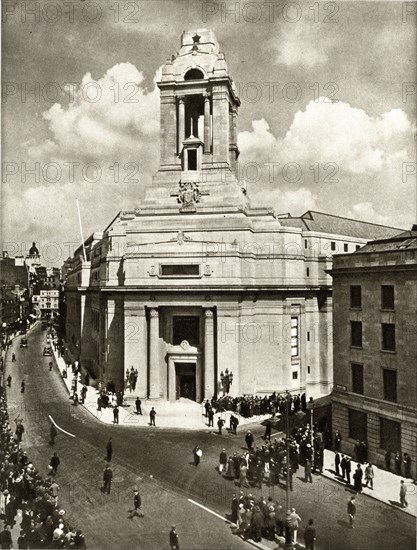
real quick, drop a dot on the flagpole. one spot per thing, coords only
(81, 230)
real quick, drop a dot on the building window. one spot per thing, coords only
(192, 159)
(308, 336)
(387, 297)
(388, 337)
(185, 328)
(389, 435)
(295, 375)
(305, 243)
(180, 270)
(356, 334)
(332, 245)
(308, 272)
(345, 247)
(355, 296)
(308, 369)
(358, 246)
(294, 336)
(357, 378)
(357, 425)
(390, 384)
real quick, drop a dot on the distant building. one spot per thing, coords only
(14, 303)
(375, 347)
(195, 280)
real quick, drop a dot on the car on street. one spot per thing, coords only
(47, 351)
(24, 343)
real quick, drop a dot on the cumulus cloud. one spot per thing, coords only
(111, 117)
(366, 211)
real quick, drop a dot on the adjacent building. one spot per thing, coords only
(195, 280)
(375, 347)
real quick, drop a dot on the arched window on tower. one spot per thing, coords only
(193, 74)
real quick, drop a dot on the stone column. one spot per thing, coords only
(207, 130)
(208, 354)
(181, 123)
(154, 382)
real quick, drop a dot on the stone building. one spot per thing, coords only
(374, 397)
(194, 280)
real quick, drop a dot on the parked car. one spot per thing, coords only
(47, 350)
(23, 343)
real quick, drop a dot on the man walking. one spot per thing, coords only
(53, 433)
(343, 467)
(9, 381)
(220, 424)
(369, 476)
(407, 465)
(116, 414)
(138, 403)
(109, 449)
(403, 494)
(173, 538)
(348, 468)
(152, 415)
(337, 464)
(310, 535)
(268, 430)
(107, 479)
(307, 471)
(351, 510)
(197, 455)
(19, 432)
(295, 523)
(22, 387)
(210, 414)
(249, 439)
(54, 464)
(137, 505)
(222, 460)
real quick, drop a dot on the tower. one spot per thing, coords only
(198, 130)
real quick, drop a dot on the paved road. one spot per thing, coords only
(140, 453)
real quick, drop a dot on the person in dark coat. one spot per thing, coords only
(211, 417)
(348, 470)
(197, 454)
(235, 508)
(397, 460)
(152, 415)
(343, 466)
(249, 439)
(19, 431)
(22, 387)
(109, 449)
(337, 464)
(357, 479)
(6, 538)
(307, 471)
(137, 504)
(173, 538)
(407, 465)
(337, 441)
(268, 430)
(220, 424)
(54, 464)
(351, 510)
(53, 433)
(9, 381)
(116, 414)
(107, 479)
(222, 460)
(310, 535)
(138, 404)
(257, 524)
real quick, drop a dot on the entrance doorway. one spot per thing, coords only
(185, 380)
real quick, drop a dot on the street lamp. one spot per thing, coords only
(288, 530)
(310, 407)
(226, 380)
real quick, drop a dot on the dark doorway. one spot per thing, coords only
(186, 328)
(185, 380)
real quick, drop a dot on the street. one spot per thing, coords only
(160, 463)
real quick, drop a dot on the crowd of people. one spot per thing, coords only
(248, 405)
(268, 462)
(43, 523)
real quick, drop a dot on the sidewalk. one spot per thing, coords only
(182, 414)
(386, 485)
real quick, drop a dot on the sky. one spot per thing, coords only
(327, 118)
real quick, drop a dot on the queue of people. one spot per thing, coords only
(43, 524)
(248, 405)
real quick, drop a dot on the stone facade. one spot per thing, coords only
(383, 385)
(195, 280)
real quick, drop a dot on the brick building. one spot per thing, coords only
(375, 347)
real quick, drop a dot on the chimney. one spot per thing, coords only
(5, 254)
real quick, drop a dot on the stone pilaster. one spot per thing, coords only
(181, 123)
(154, 378)
(208, 354)
(207, 124)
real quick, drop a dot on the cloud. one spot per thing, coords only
(338, 133)
(366, 211)
(112, 117)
